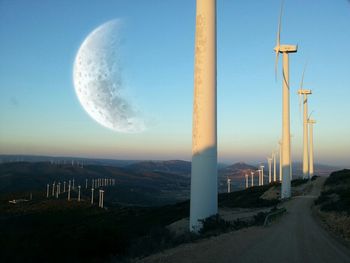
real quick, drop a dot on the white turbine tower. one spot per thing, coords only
(53, 189)
(311, 130)
(69, 192)
(259, 174)
(204, 201)
(262, 174)
(252, 174)
(78, 193)
(57, 187)
(47, 190)
(280, 161)
(269, 161)
(92, 196)
(228, 185)
(304, 93)
(274, 165)
(286, 162)
(246, 181)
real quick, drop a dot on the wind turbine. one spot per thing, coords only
(246, 181)
(311, 130)
(286, 162)
(92, 196)
(252, 173)
(269, 161)
(78, 193)
(304, 93)
(259, 173)
(262, 174)
(280, 161)
(228, 185)
(204, 197)
(69, 192)
(274, 165)
(47, 190)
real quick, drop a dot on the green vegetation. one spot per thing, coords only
(336, 195)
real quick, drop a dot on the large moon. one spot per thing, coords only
(98, 82)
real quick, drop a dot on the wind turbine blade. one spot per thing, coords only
(302, 77)
(310, 115)
(278, 40)
(300, 114)
(284, 79)
(276, 64)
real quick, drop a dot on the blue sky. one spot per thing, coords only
(40, 113)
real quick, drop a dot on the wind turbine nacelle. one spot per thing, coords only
(288, 48)
(305, 91)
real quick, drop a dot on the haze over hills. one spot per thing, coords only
(137, 182)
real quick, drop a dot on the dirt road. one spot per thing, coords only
(296, 238)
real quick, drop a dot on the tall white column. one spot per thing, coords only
(53, 189)
(69, 192)
(204, 201)
(246, 181)
(280, 163)
(286, 162)
(269, 160)
(306, 174)
(274, 166)
(311, 159)
(228, 185)
(57, 190)
(252, 173)
(262, 174)
(79, 193)
(47, 190)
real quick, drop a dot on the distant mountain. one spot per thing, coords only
(64, 160)
(237, 169)
(173, 166)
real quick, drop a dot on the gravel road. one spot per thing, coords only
(295, 238)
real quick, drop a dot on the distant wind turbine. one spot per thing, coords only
(252, 173)
(269, 161)
(228, 185)
(311, 130)
(304, 93)
(47, 190)
(286, 162)
(274, 165)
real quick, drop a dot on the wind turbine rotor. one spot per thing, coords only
(278, 41)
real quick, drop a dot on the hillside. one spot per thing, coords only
(51, 230)
(131, 187)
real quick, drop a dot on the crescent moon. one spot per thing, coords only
(98, 82)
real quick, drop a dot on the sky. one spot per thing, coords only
(40, 113)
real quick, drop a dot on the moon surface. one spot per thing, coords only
(98, 82)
